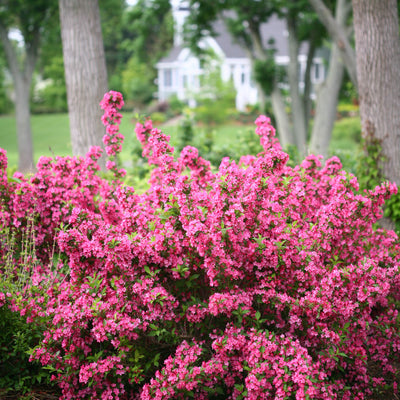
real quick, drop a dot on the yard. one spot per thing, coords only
(51, 136)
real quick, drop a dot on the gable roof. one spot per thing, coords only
(172, 55)
(274, 29)
(226, 41)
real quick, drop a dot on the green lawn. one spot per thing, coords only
(51, 136)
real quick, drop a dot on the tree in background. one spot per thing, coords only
(112, 16)
(245, 20)
(138, 82)
(339, 35)
(52, 96)
(5, 102)
(134, 39)
(50, 66)
(31, 19)
(329, 90)
(147, 31)
(85, 71)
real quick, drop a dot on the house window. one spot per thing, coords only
(316, 72)
(319, 72)
(168, 77)
(185, 81)
(243, 78)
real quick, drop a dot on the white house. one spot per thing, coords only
(179, 71)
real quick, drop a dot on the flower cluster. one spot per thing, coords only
(113, 140)
(256, 281)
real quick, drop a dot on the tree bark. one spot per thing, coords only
(85, 71)
(22, 78)
(376, 27)
(328, 93)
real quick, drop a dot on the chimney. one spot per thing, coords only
(180, 11)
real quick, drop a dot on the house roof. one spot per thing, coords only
(172, 55)
(226, 42)
(274, 29)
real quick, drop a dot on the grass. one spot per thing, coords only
(345, 142)
(51, 136)
(346, 134)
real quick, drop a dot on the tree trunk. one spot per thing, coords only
(307, 79)
(326, 106)
(338, 35)
(23, 121)
(262, 100)
(376, 28)
(85, 71)
(284, 129)
(22, 79)
(328, 93)
(298, 112)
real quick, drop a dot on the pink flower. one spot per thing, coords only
(256, 280)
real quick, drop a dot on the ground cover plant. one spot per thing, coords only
(255, 281)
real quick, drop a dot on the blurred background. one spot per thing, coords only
(202, 71)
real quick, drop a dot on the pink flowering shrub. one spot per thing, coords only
(257, 281)
(111, 103)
